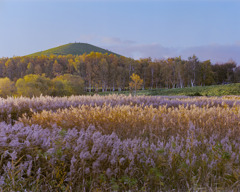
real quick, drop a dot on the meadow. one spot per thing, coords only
(212, 90)
(120, 143)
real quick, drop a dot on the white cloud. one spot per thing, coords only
(144, 50)
(214, 52)
(217, 53)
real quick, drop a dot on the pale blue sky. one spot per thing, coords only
(158, 28)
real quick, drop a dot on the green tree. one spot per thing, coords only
(66, 85)
(206, 73)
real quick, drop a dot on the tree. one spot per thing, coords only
(193, 65)
(30, 68)
(33, 85)
(7, 87)
(21, 67)
(10, 68)
(224, 72)
(143, 68)
(206, 74)
(57, 68)
(66, 85)
(237, 75)
(122, 76)
(180, 68)
(38, 70)
(136, 82)
(103, 65)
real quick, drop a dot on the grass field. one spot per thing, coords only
(214, 90)
(120, 143)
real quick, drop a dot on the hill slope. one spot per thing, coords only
(74, 49)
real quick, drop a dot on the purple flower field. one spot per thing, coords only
(120, 143)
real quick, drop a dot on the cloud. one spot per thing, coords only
(137, 51)
(103, 40)
(215, 52)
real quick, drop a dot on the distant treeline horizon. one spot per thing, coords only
(102, 72)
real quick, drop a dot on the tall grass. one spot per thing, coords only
(13, 108)
(124, 144)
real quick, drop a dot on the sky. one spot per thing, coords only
(210, 29)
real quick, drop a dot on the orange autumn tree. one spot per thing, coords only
(136, 83)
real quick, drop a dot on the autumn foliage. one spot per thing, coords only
(108, 72)
(136, 82)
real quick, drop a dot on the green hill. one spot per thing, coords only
(74, 49)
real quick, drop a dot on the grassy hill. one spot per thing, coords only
(74, 49)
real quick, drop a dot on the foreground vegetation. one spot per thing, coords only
(120, 143)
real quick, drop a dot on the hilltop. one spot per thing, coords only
(74, 49)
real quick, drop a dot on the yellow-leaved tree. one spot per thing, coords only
(136, 83)
(7, 87)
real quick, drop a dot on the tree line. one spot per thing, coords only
(103, 72)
